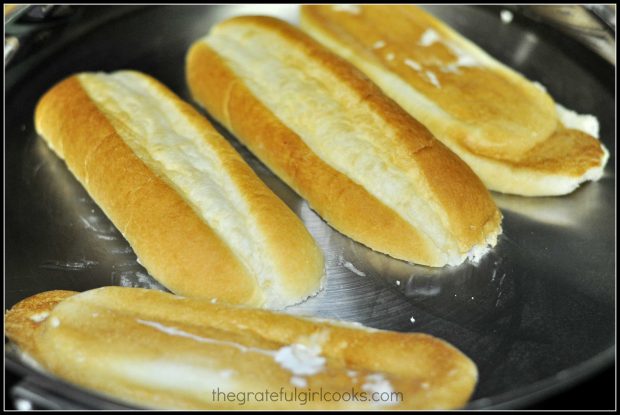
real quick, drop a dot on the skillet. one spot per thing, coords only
(536, 314)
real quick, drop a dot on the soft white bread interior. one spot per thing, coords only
(197, 216)
(366, 166)
(506, 128)
(158, 350)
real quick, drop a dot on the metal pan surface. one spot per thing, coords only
(536, 314)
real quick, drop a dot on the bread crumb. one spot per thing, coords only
(377, 383)
(433, 79)
(429, 37)
(413, 64)
(299, 381)
(506, 16)
(378, 44)
(352, 268)
(39, 317)
(347, 8)
(301, 359)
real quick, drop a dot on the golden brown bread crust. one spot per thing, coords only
(471, 93)
(171, 240)
(333, 195)
(505, 127)
(138, 202)
(290, 246)
(21, 321)
(155, 349)
(471, 213)
(567, 150)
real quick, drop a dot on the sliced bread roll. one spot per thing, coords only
(158, 350)
(505, 127)
(197, 216)
(367, 167)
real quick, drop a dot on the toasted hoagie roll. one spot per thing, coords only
(196, 215)
(157, 350)
(367, 167)
(505, 127)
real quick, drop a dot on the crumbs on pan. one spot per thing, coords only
(506, 16)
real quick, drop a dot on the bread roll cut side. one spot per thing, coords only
(333, 195)
(163, 351)
(191, 208)
(491, 116)
(327, 120)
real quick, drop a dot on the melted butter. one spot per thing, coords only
(298, 358)
(173, 331)
(376, 383)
